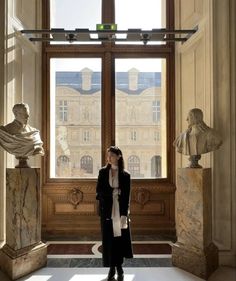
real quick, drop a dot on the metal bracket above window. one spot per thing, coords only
(130, 35)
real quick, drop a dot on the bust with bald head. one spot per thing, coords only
(19, 138)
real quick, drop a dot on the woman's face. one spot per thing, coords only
(112, 158)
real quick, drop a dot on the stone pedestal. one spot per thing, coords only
(23, 252)
(194, 250)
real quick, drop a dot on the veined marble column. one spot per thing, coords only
(23, 252)
(194, 250)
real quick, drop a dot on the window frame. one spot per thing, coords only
(108, 52)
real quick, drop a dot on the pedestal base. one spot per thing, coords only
(202, 263)
(18, 264)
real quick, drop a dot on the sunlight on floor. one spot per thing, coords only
(100, 274)
(89, 277)
(39, 277)
(131, 274)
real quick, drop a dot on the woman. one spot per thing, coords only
(113, 193)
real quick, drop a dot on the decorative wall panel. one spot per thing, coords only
(203, 80)
(191, 12)
(151, 211)
(25, 12)
(193, 79)
(224, 162)
(2, 115)
(20, 72)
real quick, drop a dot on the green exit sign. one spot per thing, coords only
(106, 26)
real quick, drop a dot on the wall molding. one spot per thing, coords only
(2, 118)
(216, 26)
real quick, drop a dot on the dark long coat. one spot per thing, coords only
(114, 248)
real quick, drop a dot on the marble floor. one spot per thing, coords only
(89, 254)
(131, 274)
(82, 261)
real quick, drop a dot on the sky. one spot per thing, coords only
(74, 64)
(71, 14)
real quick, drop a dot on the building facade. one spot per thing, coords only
(140, 116)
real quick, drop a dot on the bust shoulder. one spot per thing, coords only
(16, 128)
(13, 128)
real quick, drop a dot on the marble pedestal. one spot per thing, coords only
(23, 252)
(194, 250)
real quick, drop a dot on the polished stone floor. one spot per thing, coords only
(90, 262)
(81, 261)
(89, 254)
(131, 274)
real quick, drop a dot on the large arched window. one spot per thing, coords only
(63, 160)
(63, 165)
(86, 164)
(134, 166)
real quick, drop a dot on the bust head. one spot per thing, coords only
(21, 112)
(195, 116)
(197, 139)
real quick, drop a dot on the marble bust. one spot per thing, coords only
(197, 139)
(19, 138)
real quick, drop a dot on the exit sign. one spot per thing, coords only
(106, 26)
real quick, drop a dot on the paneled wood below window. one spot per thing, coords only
(71, 210)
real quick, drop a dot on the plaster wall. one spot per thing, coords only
(2, 113)
(20, 76)
(23, 60)
(205, 78)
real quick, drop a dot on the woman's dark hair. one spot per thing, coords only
(118, 152)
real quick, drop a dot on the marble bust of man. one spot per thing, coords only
(18, 137)
(198, 138)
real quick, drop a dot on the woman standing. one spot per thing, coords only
(113, 193)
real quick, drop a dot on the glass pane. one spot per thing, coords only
(140, 14)
(141, 116)
(71, 14)
(144, 14)
(75, 127)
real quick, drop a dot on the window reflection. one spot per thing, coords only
(140, 125)
(76, 125)
(141, 115)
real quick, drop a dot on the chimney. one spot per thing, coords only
(86, 78)
(133, 79)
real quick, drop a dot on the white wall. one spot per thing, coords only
(224, 50)
(20, 74)
(23, 63)
(2, 113)
(204, 71)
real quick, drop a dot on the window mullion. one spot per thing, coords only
(108, 103)
(108, 11)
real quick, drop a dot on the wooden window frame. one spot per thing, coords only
(108, 52)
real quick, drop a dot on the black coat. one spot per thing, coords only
(114, 248)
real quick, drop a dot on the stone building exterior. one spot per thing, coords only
(140, 118)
